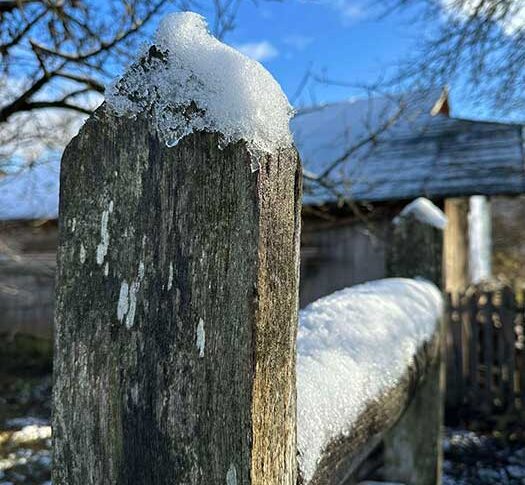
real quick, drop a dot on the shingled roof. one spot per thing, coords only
(425, 152)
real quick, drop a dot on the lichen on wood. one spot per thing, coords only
(143, 393)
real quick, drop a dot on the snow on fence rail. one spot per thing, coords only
(356, 367)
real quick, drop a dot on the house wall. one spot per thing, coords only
(27, 268)
(335, 255)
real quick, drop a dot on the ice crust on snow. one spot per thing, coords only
(190, 81)
(426, 212)
(352, 347)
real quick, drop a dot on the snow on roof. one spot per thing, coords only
(31, 193)
(352, 347)
(191, 81)
(426, 212)
(409, 149)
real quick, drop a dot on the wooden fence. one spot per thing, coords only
(485, 357)
(176, 313)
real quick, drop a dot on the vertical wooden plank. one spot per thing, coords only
(456, 246)
(176, 310)
(466, 334)
(455, 384)
(520, 355)
(472, 309)
(509, 318)
(487, 329)
(501, 388)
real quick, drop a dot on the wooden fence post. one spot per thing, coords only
(176, 310)
(413, 449)
(416, 248)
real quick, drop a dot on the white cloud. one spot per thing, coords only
(298, 41)
(512, 22)
(260, 51)
(349, 10)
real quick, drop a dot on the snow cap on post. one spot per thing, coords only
(189, 81)
(416, 242)
(425, 212)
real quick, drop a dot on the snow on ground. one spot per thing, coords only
(477, 459)
(426, 212)
(470, 458)
(194, 82)
(352, 347)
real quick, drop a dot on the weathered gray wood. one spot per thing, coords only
(415, 250)
(486, 310)
(474, 348)
(413, 452)
(508, 319)
(412, 448)
(176, 310)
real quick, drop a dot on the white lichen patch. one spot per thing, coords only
(170, 277)
(231, 476)
(82, 254)
(106, 269)
(123, 301)
(133, 290)
(201, 337)
(127, 302)
(73, 224)
(189, 81)
(135, 393)
(102, 248)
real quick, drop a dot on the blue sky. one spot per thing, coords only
(343, 38)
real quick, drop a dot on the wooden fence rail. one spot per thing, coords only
(397, 437)
(485, 358)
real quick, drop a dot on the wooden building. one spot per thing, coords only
(426, 152)
(423, 151)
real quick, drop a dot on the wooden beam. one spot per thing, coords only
(456, 245)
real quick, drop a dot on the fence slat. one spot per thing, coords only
(508, 319)
(473, 345)
(455, 373)
(485, 314)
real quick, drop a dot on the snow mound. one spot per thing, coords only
(189, 81)
(352, 347)
(426, 212)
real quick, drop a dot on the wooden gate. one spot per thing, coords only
(485, 357)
